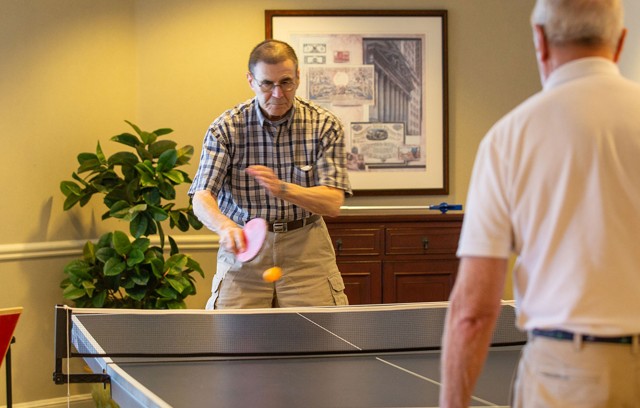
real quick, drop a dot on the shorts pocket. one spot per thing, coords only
(337, 290)
(216, 285)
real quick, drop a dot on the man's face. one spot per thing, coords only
(282, 78)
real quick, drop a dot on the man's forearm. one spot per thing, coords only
(205, 207)
(319, 200)
(473, 312)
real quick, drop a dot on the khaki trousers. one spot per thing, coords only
(565, 373)
(310, 276)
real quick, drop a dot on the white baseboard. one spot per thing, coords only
(74, 401)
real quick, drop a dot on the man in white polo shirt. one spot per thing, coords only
(557, 182)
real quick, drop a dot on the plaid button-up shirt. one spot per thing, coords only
(306, 147)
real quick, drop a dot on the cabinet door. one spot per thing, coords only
(418, 281)
(422, 240)
(356, 241)
(362, 281)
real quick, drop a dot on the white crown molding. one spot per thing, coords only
(55, 249)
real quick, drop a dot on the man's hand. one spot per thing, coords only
(232, 238)
(267, 180)
(230, 234)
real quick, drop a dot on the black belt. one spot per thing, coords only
(292, 225)
(565, 335)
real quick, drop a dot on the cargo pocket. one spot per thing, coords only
(337, 290)
(216, 285)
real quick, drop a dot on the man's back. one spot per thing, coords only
(572, 175)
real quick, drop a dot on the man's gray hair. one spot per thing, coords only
(587, 22)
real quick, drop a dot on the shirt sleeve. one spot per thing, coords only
(486, 229)
(332, 165)
(214, 161)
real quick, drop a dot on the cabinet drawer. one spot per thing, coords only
(421, 241)
(357, 241)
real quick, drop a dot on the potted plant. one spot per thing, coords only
(125, 270)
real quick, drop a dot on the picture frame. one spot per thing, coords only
(384, 74)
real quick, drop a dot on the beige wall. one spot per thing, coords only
(71, 72)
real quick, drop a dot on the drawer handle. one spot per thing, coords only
(425, 243)
(339, 244)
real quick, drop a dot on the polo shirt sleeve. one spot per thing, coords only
(486, 230)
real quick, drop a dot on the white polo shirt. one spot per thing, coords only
(557, 181)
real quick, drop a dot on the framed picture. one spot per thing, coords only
(384, 74)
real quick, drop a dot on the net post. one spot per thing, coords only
(62, 350)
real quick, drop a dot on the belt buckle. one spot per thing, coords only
(279, 227)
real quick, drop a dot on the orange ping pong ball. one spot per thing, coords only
(272, 274)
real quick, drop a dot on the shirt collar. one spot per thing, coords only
(580, 68)
(285, 120)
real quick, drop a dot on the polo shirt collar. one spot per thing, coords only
(580, 68)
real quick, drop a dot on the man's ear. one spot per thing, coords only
(540, 42)
(250, 79)
(620, 45)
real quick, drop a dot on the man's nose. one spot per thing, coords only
(277, 91)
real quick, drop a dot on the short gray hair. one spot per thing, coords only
(587, 22)
(272, 52)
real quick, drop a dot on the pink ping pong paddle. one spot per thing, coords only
(255, 232)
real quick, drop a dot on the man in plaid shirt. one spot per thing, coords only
(281, 158)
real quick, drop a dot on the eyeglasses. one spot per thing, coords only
(267, 86)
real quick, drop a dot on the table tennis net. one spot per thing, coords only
(303, 331)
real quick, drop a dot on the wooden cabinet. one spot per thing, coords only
(396, 258)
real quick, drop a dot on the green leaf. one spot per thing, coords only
(136, 128)
(151, 196)
(176, 284)
(99, 298)
(184, 155)
(180, 220)
(194, 221)
(158, 213)
(113, 267)
(104, 254)
(176, 176)
(89, 252)
(143, 153)
(88, 162)
(174, 246)
(141, 244)
(140, 278)
(71, 292)
(136, 256)
(70, 188)
(127, 139)
(78, 268)
(167, 191)
(157, 267)
(193, 265)
(167, 292)
(123, 211)
(70, 202)
(138, 292)
(175, 264)
(161, 146)
(138, 226)
(89, 287)
(148, 138)
(177, 305)
(163, 131)
(121, 243)
(167, 161)
(123, 158)
(100, 154)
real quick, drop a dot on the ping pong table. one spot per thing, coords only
(354, 356)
